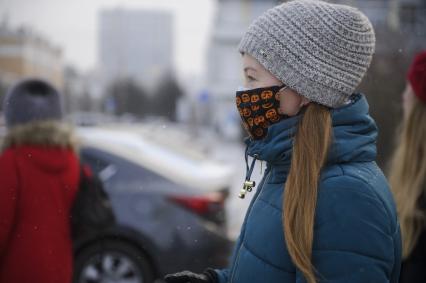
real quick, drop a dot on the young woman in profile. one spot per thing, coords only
(323, 211)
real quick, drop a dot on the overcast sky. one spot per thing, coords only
(72, 24)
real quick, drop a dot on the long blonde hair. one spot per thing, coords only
(310, 150)
(407, 175)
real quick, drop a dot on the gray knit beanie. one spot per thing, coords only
(319, 49)
(31, 100)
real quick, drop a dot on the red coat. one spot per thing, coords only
(38, 185)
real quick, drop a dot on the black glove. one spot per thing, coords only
(208, 276)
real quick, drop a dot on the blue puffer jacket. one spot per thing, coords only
(357, 237)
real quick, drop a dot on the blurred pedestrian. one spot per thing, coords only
(39, 173)
(323, 211)
(408, 174)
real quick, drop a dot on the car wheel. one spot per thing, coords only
(112, 262)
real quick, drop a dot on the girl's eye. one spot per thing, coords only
(250, 78)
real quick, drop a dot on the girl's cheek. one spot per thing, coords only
(290, 103)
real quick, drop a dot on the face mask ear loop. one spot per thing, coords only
(283, 88)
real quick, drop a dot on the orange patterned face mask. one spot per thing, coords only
(259, 108)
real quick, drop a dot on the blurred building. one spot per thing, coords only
(411, 15)
(135, 44)
(23, 53)
(224, 73)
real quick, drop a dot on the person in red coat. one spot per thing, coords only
(39, 174)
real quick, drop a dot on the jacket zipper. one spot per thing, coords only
(264, 180)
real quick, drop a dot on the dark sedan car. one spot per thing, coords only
(169, 210)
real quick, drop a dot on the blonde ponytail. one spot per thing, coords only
(310, 150)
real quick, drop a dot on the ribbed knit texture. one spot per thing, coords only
(319, 49)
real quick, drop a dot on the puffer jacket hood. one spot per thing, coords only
(354, 139)
(54, 137)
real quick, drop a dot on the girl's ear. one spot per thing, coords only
(305, 101)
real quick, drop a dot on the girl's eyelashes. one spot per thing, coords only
(250, 78)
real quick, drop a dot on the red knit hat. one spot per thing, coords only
(417, 76)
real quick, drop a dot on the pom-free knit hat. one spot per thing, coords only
(319, 49)
(31, 100)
